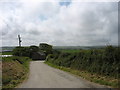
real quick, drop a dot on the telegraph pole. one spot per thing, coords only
(19, 39)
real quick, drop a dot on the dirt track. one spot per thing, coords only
(44, 76)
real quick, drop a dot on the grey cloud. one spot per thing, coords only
(78, 24)
(35, 32)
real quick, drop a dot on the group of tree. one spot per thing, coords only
(28, 51)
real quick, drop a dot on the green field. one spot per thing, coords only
(6, 53)
(70, 50)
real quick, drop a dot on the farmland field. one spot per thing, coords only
(70, 50)
(6, 53)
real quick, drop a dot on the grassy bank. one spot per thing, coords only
(14, 70)
(102, 63)
(103, 80)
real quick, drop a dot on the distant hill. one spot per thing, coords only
(78, 47)
(7, 48)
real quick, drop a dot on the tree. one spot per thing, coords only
(46, 48)
(21, 51)
(25, 51)
(34, 48)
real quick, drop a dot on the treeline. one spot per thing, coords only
(99, 61)
(25, 51)
(32, 50)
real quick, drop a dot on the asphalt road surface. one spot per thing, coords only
(44, 76)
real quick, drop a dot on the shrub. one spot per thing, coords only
(46, 48)
(101, 61)
(21, 51)
(25, 51)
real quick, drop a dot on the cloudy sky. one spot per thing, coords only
(58, 22)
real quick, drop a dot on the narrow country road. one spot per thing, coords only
(44, 76)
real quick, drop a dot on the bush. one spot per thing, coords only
(46, 48)
(21, 51)
(100, 61)
(25, 51)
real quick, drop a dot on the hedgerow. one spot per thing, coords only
(101, 61)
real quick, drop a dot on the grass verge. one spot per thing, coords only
(14, 71)
(103, 80)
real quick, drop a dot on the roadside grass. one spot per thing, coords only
(14, 71)
(93, 77)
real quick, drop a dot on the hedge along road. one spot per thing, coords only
(44, 76)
